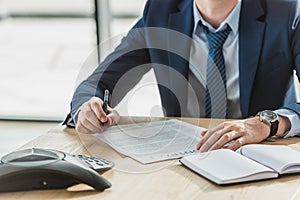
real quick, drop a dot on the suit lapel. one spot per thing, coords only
(251, 35)
(181, 21)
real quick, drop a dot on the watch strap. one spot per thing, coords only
(274, 128)
(272, 123)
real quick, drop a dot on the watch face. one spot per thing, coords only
(269, 115)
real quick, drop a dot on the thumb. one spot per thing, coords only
(113, 117)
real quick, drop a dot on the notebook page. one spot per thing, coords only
(224, 166)
(154, 141)
(277, 157)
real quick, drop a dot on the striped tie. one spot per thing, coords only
(216, 91)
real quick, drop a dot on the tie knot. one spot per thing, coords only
(217, 39)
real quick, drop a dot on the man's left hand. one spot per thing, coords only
(234, 133)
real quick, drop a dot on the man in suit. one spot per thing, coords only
(253, 46)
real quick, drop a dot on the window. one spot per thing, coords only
(43, 46)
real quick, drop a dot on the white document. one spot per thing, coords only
(153, 141)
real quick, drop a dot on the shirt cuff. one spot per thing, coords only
(71, 120)
(294, 119)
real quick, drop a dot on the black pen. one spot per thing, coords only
(105, 103)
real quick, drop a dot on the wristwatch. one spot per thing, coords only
(271, 118)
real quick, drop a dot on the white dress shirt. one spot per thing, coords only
(198, 57)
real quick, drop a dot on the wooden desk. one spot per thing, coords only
(166, 180)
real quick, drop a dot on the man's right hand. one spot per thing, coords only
(91, 116)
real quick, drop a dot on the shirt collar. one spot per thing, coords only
(232, 20)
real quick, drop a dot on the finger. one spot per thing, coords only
(113, 117)
(218, 127)
(225, 139)
(87, 113)
(205, 137)
(237, 143)
(213, 138)
(84, 122)
(209, 142)
(110, 121)
(96, 106)
(200, 143)
(203, 133)
(210, 133)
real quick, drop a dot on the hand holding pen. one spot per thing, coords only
(95, 115)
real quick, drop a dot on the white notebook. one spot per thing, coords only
(249, 163)
(154, 141)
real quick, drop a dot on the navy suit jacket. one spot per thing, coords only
(269, 51)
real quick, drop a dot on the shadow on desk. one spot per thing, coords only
(84, 191)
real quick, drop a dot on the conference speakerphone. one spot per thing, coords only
(38, 169)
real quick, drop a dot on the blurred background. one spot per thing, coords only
(43, 45)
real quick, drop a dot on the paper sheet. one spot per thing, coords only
(153, 141)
